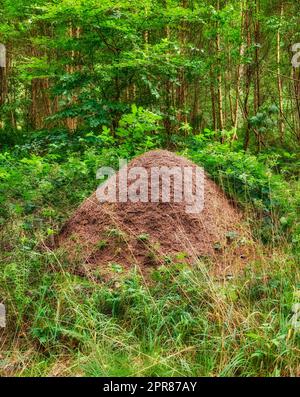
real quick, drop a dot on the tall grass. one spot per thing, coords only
(183, 323)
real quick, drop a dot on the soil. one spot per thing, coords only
(100, 237)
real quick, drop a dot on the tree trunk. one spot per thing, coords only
(257, 72)
(72, 122)
(248, 77)
(213, 101)
(279, 83)
(238, 93)
(219, 79)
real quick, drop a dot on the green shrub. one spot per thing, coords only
(251, 182)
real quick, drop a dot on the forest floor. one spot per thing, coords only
(185, 320)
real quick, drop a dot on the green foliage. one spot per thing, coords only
(265, 121)
(249, 179)
(138, 131)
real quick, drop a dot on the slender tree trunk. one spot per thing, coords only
(181, 90)
(72, 122)
(257, 71)
(168, 89)
(296, 86)
(238, 93)
(219, 78)
(279, 83)
(248, 77)
(195, 109)
(213, 101)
